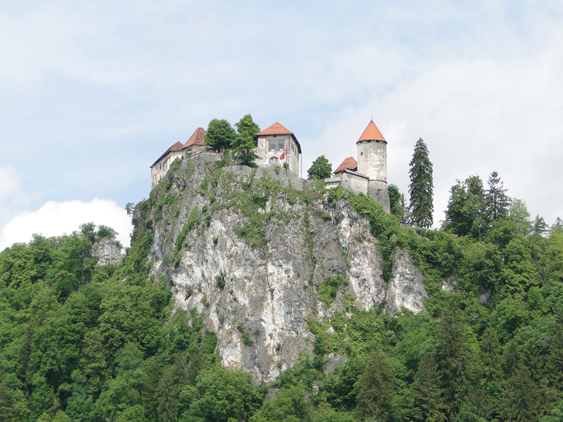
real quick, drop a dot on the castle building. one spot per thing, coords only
(177, 151)
(278, 146)
(367, 175)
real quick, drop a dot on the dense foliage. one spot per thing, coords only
(320, 169)
(246, 140)
(80, 342)
(221, 136)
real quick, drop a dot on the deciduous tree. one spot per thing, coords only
(396, 202)
(245, 141)
(465, 214)
(220, 135)
(321, 169)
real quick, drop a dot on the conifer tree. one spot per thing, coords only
(539, 226)
(428, 402)
(152, 379)
(510, 358)
(456, 362)
(490, 356)
(6, 400)
(375, 388)
(496, 199)
(520, 400)
(421, 188)
(554, 363)
(557, 227)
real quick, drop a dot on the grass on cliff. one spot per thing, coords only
(328, 289)
(250, 196)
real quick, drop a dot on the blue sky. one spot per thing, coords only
(93, 92)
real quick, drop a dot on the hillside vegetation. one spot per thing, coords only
(80, 342)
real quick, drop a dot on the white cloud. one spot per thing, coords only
(58, 218)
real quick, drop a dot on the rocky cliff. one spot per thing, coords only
(261, 252)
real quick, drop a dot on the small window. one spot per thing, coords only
(274, 160)
(362, 153)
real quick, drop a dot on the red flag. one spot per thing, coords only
(283, 155)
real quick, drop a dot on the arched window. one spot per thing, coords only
(274, 160)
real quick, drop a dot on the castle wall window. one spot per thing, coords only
(276, 144)
(274, 160)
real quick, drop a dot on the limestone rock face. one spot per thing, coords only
(406, 288)
(260, 314)
(107, 252)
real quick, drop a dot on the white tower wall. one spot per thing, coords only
(372, 160)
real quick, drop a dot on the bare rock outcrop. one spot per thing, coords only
(106, 251)
(258, 299)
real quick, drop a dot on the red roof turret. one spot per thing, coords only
(371, 133)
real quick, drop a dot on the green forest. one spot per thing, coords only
(81, 342)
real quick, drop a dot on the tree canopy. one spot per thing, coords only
(245, 141)
(84, 342)
(320, 169)
(220, 135)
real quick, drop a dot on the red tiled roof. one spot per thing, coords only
(278, 129)
(176, 146)
(275, 129)
(197, 138)
(349, 163)
(371, 133)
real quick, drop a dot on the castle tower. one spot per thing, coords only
(372, 161)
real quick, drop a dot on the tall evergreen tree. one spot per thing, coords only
(428, 402)
(456, 361)
(554, 363)
(153, 376)
(490, 356)
(520, 400)
(510, 358)
(6, 400)
(557, 227)
(421, 188)
(376, 388)
(496, 199)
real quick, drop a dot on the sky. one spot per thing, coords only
(92, 93)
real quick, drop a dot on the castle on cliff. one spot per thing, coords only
(277, 146)
(368, 174)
